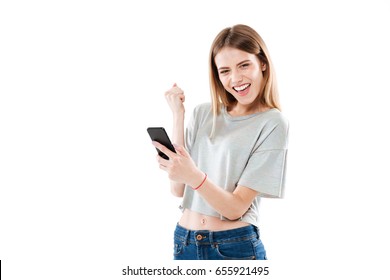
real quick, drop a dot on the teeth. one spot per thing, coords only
(241, 87)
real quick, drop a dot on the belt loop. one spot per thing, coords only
(257, 231)
(186, 237)
(211, 238)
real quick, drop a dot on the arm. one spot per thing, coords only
(238, 202)
(181, 168)
(175, 98)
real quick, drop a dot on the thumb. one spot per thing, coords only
(181, 150)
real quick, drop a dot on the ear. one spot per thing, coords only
(263, 67)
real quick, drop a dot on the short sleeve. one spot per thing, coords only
(190, 131)
(194, 123)
(266, 167)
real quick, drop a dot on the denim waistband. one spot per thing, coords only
(205, 237)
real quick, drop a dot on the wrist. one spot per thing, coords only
(198, 180)
(179, 114)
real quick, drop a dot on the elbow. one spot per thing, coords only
(235, 214)
(233, 217)
(177, 191)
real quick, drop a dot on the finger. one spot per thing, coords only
(164, 149)
(164, 168)
(176, 89)
(162, 161)
(172, 95)
(169, 95)
(181, 150)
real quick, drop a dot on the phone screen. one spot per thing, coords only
(159, 134)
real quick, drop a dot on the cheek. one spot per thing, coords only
(257, 79)
(224, 81)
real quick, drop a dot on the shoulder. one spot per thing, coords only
(273, 131)
(276, 118)
(202, 110)
(203, 107)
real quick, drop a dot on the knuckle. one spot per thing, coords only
(175, 160)
(172, 174)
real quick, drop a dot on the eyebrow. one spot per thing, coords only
(242, 62)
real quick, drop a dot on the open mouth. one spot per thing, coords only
(241, 88)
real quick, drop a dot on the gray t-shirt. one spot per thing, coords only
(248, 151)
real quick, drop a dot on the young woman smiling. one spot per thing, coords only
(232, 153)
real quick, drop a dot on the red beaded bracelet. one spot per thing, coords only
(201, 184)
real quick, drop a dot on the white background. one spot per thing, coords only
(81, 195)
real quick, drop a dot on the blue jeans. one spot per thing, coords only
(236, 244)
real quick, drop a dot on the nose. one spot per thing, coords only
(236, 77)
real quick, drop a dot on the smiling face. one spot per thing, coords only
(241, 74)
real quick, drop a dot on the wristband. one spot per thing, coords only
(201, 184)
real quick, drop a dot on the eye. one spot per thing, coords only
(223, 72)
(245, 65)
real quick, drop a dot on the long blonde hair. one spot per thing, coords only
(244, 38)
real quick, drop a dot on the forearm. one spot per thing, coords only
(178, 129)
(177, 189)
(181, 168)
(230, 205)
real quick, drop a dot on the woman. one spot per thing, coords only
(235, 152)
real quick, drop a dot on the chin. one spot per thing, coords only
(245, 102)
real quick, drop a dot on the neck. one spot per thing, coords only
(242, 110)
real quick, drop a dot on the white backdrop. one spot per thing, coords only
(81, 195)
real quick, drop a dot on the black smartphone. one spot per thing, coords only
(159, 134)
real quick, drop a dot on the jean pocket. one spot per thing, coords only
(177, 248)
(259, 250)
(242, 250)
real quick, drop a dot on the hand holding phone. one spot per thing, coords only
(159, 134)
